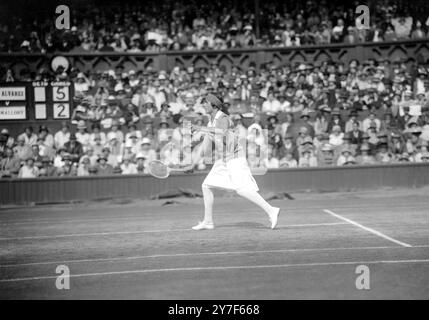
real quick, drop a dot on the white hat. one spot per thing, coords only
(140, 155)
(111, 136)
(80, 108)
(119, 87)
(145, 141)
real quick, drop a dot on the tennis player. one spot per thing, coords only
(230, 170)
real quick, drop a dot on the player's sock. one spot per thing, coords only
(208, 204)
(256, 198)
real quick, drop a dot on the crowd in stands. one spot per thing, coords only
(321, 114)
(156, 26)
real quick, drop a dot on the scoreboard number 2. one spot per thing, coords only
(60, 93)
(61, 110)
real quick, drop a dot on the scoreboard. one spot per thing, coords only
(37, 100)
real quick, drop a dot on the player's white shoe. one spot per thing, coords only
(274, 217)
(203, 226)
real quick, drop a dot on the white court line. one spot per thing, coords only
(204, 254)
(149, 231)
(146, 215)
(196, 254)
(220, 268)
(378, 233)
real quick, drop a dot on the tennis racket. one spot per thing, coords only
(160, 170)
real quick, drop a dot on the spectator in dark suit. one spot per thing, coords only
(356, 134)
(9, 166)
(74, 148)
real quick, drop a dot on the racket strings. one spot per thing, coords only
(158, 169)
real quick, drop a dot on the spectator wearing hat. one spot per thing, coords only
(115, 132)
(321, 123)
(68, 169)
(365, 158)
(303, 133)
(62, 136)
(336, 120)
(79, 114)
(165, 112)
(320, 140)
(9, 140)
(127, 166)
(28, 170)
(396, 143)
(307, 157)
(22, 150)
(288, 160)
(346, 157)
(84, 166)
(131, 114)
(425, 157)
(133, 133)
(355, 134)
(164, 133)
(58, 158)
(35, 154)
(326, 157)
(305, 143)
(141, 163)
(353, 117)
(74, 148)
(403, 158)
(96, 132)
(104, 168)
(271, 105)
(336, 137)
(130, 149)
(383, 155)
(413, 139)
(112, 159)
(48, 139)
(47, 169)
(273, 121)
(82, 135)
(388, 123)
(371, 121)
(422, 148)
(29, 136)
(10, 164)
(347, 145)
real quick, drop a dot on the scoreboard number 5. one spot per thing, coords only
(60, 93)
(61, 111)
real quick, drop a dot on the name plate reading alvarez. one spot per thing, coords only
(12, 93)
(13, 113)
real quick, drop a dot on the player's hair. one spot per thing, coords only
(222, 107)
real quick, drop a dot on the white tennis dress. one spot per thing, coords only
(230, 171)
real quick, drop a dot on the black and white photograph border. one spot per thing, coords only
(223, 150)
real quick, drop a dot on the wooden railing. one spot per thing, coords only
(346, 178)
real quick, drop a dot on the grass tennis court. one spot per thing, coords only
(146, 250)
